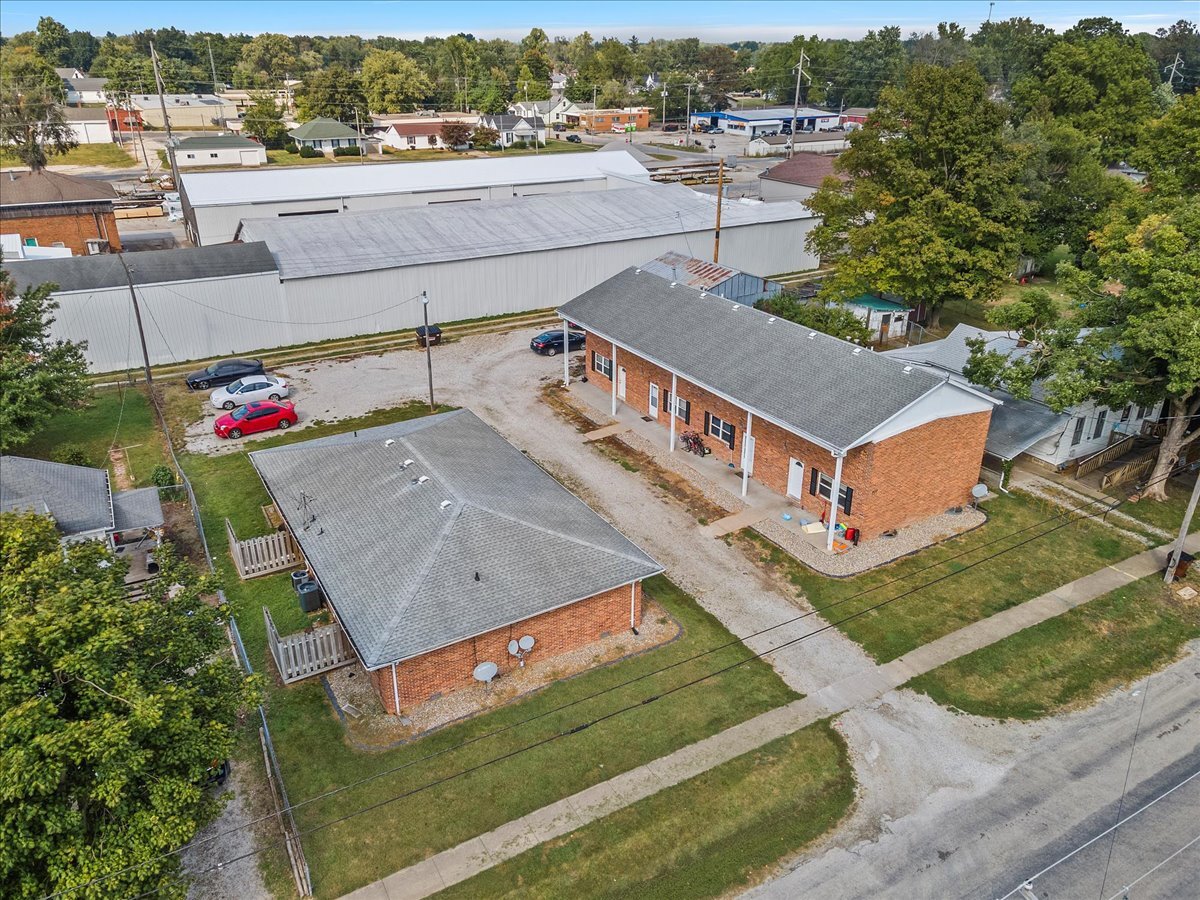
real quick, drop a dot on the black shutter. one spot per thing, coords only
(849, 499)
(687, 412)
(812, 481)
(707, 421)
(594, 369)
(732, 436)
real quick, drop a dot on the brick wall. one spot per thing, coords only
(558, 631)
(919, 473)
(73, 230)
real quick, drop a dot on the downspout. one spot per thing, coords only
(633, 607)
(834, 491)
(671, 412)
(395, 690)
(614, 380)
(566, 361)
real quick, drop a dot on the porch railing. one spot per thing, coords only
(1111, 453)
(264, 555)
(307, 653)
(1135, 468)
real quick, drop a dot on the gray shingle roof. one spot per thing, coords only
(136, 509)
(104, 270)
(76, 497)
(400, 570)
(407, 236)
(818, 387)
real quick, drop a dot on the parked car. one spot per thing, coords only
(716, 131)
(252, 387)
(550, 343)
(258, 415)
(224, 371)
(574, 139)
(670, 126)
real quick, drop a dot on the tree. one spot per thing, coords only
(456, 134)
(111, 714)
(1167, 151)
(53, 41)
(1101, 85)
(530, 86)
(721, 75)
(38, 375)
(1181, 38)
(931, 210)
(269, 57)
(876, 61)
(830, 318)
(81, 50)
(392, 82)
(23, 69)
(1140, 304)
(484, 137)
(32, 123)
(945, 48)
(1004, 51)
(333, 93)
(264, 121)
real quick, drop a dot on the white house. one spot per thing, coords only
(555, 111)
(425, 134)
(89, 124)
(514, 129)
(79, 88)
(768, 145)
(219, 150)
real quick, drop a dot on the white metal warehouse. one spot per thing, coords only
(214, 202)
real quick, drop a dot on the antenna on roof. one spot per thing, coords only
(307, 516)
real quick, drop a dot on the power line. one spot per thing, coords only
(1124, 892)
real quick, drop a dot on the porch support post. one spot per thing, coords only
(566, 361)
(833, 501)
(614, 380)
(746, 461)
(395, 690)
(671, 411)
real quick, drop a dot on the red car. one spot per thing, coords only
(260, 415)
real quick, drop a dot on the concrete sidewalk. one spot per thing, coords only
(480, 853)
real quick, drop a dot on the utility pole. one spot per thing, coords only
(1177, 64)
(664, 115)
(212, 65)
(428, 350)
(687, 122)
(137, 313)
(361, 147)
(796, 104)
(1176, 552)
(720, 193)
(158, 82)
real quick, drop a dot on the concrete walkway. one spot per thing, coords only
(481, 853)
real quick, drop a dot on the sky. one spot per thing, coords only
(731, 20)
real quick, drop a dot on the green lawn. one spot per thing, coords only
(706, 837)
(109, 155)
(1071, 659)
(947, 605)
(314, 758)
(1168, 515)
(102, 424)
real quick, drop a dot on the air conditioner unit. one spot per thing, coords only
(96, 245)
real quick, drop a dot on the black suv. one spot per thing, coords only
(222, 372)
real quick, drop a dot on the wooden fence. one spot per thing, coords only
(1135, 468)
(263, 555)
(1111, 453)
(307, 653)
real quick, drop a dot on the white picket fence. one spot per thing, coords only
(263, 555)
(307, 653)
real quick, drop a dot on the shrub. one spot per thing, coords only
(346, 151)
(310, 152)
(163, 477)
(1051, 260)
(71, 455)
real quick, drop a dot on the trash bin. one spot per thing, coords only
(435, 336)
(310, 596)
(1183, 565)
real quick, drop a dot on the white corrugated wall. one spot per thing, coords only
(204, 319)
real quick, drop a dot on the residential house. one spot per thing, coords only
(752, 122)
(715, 278)
(1029, 428)
(78, 88)
(219, 150)
(797, 178)
(326, 135)
(559, 113)
(184, 110)
(79, 499)
(615, 120)
(90, 124)
(848, 435)
(436, 542)
(558, 85)
(49, 209)
(515, 129)
(423, 135)
(855, 116)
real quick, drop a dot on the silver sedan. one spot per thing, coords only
(252, 387)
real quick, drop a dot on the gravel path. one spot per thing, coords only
(242, 880)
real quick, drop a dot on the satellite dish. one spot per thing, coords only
(979, 491)
(485, 672)
(526, 643)
(514, 648)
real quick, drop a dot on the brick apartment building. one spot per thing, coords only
(436, 542)
(48, 209)
(809, 416)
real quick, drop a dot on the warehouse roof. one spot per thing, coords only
(306, 246)
(21, 188)
(90, 273)
(769, 113)
(823, 388)
(468, 537)
(317, 182)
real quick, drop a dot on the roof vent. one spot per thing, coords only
(422, 479)
(737, 306)
(907, 369)
(446, 504)
(389, 442)
(856, 351)
(811, 335)
(406, 464)
(672, 284)
(770, 318)
(637, 271)
(704, 293)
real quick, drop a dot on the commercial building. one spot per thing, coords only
(184, 110)
(215, 202)
(753, 122)
(849, 435)
(219, 150)
(636, 118)
(438, 545)
(49, 209)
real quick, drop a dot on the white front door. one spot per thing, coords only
(795, 486)
(620, 382)
(652, 410)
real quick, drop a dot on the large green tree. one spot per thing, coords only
(333, 93)
(32, 124)
(264, 121)
(111, 714)
(393, 83)
(827, 317)
(268, 58)
(931, 207)
(1169, 150)
(53, 41)
(38, 375)
(24, 69)
(1008, 49)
